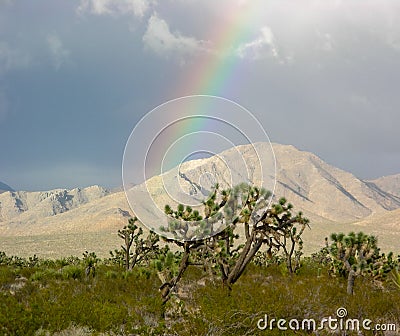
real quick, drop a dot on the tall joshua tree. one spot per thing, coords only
(244, 206)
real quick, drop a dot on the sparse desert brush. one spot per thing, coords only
(72, 272)
(46, 274)
(59, 298)
(38, 276)
(111, 274)
(396, 278)
(114, 304)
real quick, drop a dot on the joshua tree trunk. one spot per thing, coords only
(127, 256)
(166, 287)
(350, 282)
(246, 256)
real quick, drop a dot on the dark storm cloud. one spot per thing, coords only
(76, 77)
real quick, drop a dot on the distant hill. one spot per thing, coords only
(26, 206)
(390, 184)
(334, 200)
(332, 193)
(4, 187)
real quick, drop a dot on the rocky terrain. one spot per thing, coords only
(390, 184)
(28, 207)
(324, 192)
(334, 200)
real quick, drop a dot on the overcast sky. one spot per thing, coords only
(76, 76)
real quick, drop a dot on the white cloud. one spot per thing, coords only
(159, 38)
(59, 54)
(393, 43)
(261, 47)
(113, 7)
(11, 58)
(327, 42)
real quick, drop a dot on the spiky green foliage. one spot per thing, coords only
(396, 278)
(243, 206)
(90, 260)
(357, 254)
(136, 249)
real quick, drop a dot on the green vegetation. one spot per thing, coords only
(396, 278)
(215, 285)
(243, 207)
(55, 295)
(135, 249)
(357, 255)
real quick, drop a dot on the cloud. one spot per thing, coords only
(114, 7)
(326, 41)
(159, 38)
(11, 58)
(3, 106)
(5, 2)
(59, 54)
(261, 47)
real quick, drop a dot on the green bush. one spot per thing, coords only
(72, 272)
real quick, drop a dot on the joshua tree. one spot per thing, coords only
(357, 254)
(288, 236)
(90, 260)
(396, 278)
(243, 206)
(135, 248)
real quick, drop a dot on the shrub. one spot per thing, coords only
(72, 272)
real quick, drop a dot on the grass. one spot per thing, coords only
(53, 300)
(56, 298)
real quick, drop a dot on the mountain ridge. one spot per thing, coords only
(389, 183)
(333, 199)
(40, 204)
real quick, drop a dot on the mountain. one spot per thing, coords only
(313, 185)
(323, 192)
(64, 222)
(30, 206)
(4, 187)
(390, 184)
(102, 213)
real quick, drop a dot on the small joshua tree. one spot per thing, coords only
(90, 260)
(135, 248)
(356, 255)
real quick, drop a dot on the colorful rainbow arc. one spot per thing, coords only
(213, 70)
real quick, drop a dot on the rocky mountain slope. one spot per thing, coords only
(104, 213)
(333, 199)
(390, 184)
(324, 192)
(28, 207)
(313, 185)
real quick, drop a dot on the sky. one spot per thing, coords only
(77, 76)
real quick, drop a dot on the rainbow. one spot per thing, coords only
(211, 72)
